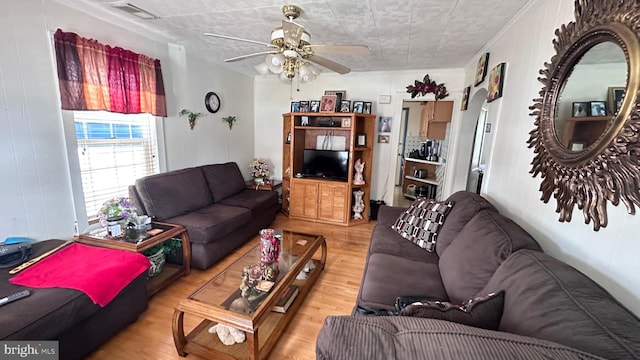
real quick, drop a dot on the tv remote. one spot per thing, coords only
(14, 297)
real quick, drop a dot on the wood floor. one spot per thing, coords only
(333, 294)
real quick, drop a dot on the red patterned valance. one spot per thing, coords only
(93, 76)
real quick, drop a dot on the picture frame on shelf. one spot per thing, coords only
(581, 109)
(345, 106)
(304, 106)
(340, 94)
(295, 106)
(367, 107)
(328, 103)
(614, 99)
(598, 108)
(358, 107)
(361, 140)
(314, 105)
(481, 68)
(304, 121)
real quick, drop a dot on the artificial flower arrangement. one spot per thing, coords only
(259, 168)
(118, 206)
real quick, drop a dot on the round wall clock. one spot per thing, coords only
(212, 102)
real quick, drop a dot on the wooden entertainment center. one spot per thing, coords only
(321, 199)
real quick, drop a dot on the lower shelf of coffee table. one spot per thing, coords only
(205, 344)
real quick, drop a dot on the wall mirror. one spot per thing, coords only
(586, 138)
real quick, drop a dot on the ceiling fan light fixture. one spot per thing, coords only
(284, 78)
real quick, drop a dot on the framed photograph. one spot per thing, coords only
(340, 94)
(295, 106)
(577, 145)
(345, 105)
(598, 108)
(288, 141)
(496, 79)
(481, 69)
(346, 122)
(581, 109)
(361, 140)
(304, 121)
(304, 106)
(384, 139)
(315, 105)
(465, 98)
(614, 101)
(367, 107)
(358, 107)
(384, 124)
(328, 103)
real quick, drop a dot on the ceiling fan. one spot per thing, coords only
(290, 49)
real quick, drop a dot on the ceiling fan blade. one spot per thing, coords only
(242, 57)
(292, 33)
(240, 39)
(340, 49)
(329, 64)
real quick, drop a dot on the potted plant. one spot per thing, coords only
(157, 255)
(229, 120)
(192, 117)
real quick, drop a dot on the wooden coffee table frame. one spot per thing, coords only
(170, 272)
(262, 328)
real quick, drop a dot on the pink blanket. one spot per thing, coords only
(100, 273)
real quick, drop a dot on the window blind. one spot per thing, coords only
(113, 150)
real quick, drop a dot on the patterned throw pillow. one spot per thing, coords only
(482, 312)
(421, 221)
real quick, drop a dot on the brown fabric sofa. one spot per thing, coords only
(68, 315)
(551, 310)
(211, 202)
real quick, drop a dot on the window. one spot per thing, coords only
(113, 151)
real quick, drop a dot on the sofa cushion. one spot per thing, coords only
(467, 205)
(258, 201)
(213, 222)
(409, 338)
(385, 240)
(550, 300)
(223, 180)
(388, 276)
(421, 222)
(482, 311)
(173, 193)
(475, 254)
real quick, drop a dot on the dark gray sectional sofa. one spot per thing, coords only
(211, 202)
(550, 310)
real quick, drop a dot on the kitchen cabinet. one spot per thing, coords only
(434, 117)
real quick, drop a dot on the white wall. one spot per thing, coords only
(38, 200)
(608, 256)
(272, 99)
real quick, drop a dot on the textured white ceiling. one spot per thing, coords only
(401, 34)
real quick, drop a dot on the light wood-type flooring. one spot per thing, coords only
(333, 294)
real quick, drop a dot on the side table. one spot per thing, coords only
(170, 273)
(272, 185)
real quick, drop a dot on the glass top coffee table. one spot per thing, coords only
(213, 302)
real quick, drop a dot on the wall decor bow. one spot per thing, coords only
(427, 86)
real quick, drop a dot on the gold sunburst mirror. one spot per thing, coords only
(586, 136)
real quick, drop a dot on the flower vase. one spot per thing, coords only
(269, 254)
(258, 181)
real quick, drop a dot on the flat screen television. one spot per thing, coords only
(327, 164)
